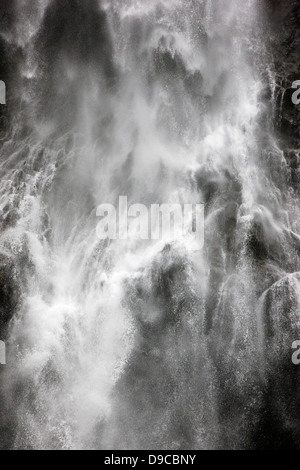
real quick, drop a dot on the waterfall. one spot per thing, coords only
(141, 344)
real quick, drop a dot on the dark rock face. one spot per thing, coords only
(280, 313)
(9, 292)
(285, 47)
(158, 381)
(63, 43)
(279, 320)
(279, 309)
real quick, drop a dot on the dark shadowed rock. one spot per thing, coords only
(9, 291)
(279, 323)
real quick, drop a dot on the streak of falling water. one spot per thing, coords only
(133, 344)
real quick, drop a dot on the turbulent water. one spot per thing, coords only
(140, 344)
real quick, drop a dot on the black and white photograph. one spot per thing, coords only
(149, 227)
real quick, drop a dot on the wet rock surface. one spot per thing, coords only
(279, 321)
(285, 41)
(9, 292)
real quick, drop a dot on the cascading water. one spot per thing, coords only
(140, 344)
